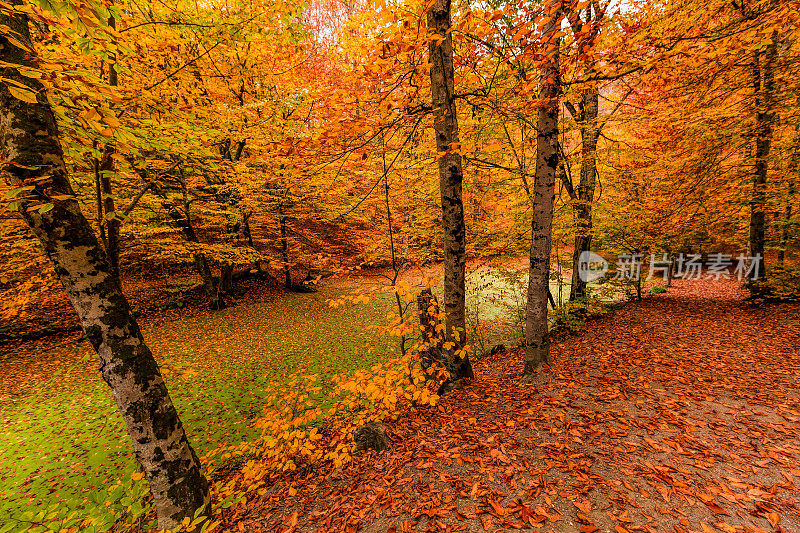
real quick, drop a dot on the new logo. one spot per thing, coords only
(591, 266)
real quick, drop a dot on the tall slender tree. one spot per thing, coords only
(440, 50)
(104, 168)
(763, 69)
(587, 25)
(537, 342)
(34, 161)
(583, 195)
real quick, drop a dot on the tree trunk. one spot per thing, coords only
(787, 219)
(287, 274)
(106, 168)
(585, 191)
(98, 189)
(113, 78)
(29, 140)
(440, 51)
(239, 150)
(764, 88)
(225, 148)
(671, 270)
(210, 283)
(537, 342)
(248, 234)
(226, 277)
(112, 223)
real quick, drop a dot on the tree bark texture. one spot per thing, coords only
(29, 142)
(537, 342)
(440, 51)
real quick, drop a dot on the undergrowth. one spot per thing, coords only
(782, 284)
(573, 315)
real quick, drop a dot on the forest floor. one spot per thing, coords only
(677, 413)
(63, 443)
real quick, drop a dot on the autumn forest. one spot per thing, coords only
(369, 265)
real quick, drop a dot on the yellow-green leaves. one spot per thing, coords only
(20, 91)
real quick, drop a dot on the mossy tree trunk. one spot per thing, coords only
(440, 50)
(30, 144)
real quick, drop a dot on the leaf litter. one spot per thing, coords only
(677, 413)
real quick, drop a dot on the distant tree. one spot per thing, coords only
(763, 77)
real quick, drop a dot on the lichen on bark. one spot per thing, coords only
(30, 144)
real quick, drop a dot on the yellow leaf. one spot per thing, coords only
(26, 95)
(112, 121)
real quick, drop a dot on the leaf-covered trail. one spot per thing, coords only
(678, 413)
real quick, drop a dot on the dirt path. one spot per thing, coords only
(679, 413)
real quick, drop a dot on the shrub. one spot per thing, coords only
(573, 315)
(310, 419)
(782, 283)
